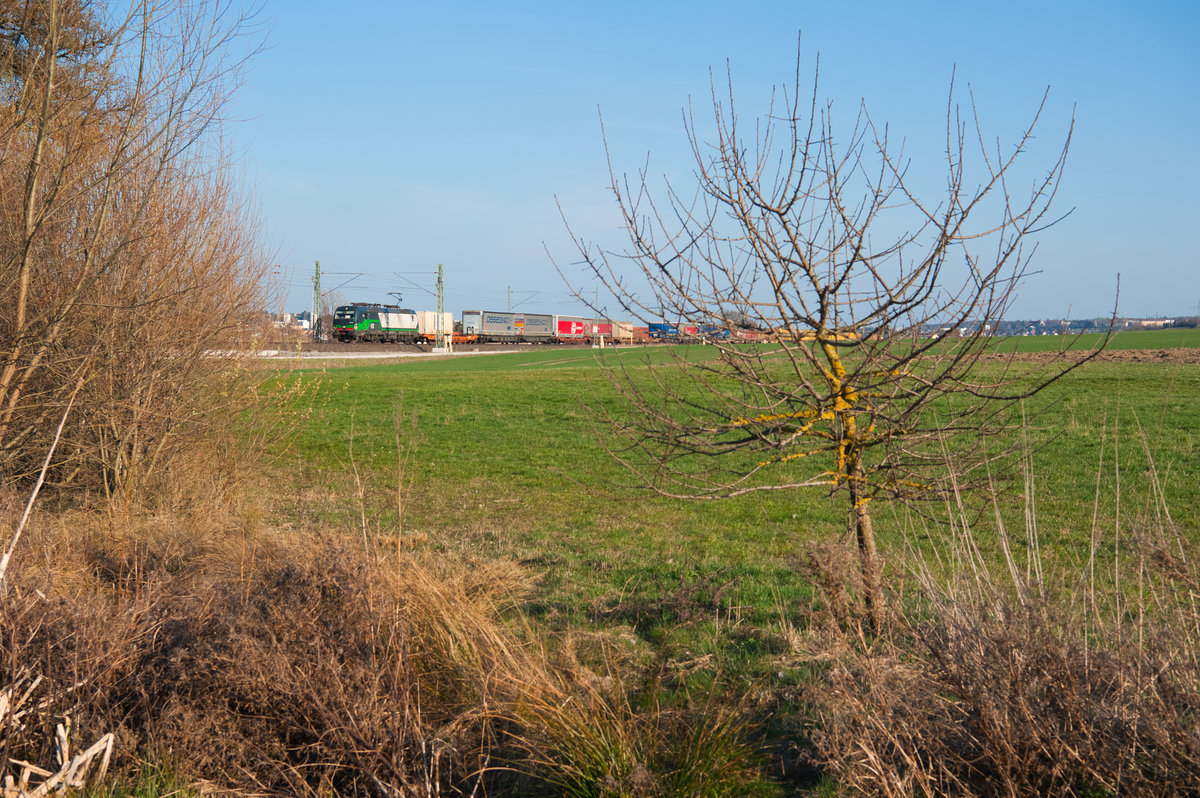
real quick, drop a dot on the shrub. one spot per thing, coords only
(130, 263)
(1032, 683)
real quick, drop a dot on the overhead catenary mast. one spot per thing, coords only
(441, 334)
(315, 319)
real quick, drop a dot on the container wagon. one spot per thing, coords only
(507, 327)
(623, 332)
(427, 326)
(713, 332)
(579, 328)
(660, 331)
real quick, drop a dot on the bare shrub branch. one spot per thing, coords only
(123, 235)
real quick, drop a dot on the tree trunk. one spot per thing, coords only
(867, 554)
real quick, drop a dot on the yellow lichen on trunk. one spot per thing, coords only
(848, 469)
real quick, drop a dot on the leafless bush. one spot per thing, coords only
(129, 260)
(804, 249)
(1034, 683)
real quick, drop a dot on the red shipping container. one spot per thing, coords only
(580, 327)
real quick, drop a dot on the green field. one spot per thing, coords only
(1172, 338)
(498, 457)
(506, 464)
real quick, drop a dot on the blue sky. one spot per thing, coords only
(383, 138)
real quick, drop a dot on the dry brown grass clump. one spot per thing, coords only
(300, 666)
(308, 665)
(617, 731)
(1029, 684)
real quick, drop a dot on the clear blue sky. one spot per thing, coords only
(383, 138)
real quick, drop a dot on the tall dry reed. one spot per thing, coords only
(1008, 676)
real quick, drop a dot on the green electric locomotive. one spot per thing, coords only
(362, 321)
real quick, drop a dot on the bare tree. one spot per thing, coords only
(850, 318)
(127, 253)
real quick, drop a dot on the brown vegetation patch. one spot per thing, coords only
(306, 665)
(988, 688)
(1188, 355)
(296, 667)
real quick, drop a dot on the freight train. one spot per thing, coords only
(363, 321)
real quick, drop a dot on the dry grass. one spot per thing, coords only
(307, 665)
(299, 666)
(618, 731)
(1084, 681)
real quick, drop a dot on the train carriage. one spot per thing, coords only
(507, 327)
(580, 328)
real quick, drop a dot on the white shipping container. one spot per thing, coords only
(427, 322)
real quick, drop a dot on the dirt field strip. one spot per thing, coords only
(1177, 355)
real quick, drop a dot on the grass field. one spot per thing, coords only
(505, 464)
(440, 581)
(497, 458)
(1131, 339)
